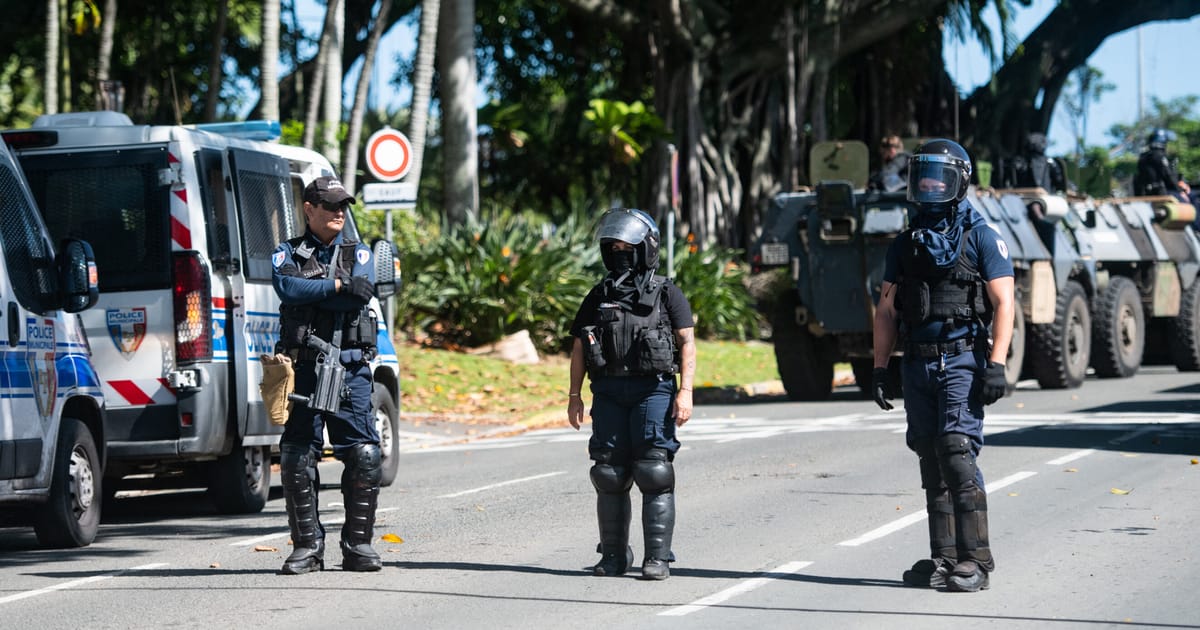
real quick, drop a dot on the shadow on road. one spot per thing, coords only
(1148, 437)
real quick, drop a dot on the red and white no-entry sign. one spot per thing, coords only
(389, 154)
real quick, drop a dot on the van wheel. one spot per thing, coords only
(238, 483)
(72, 516)
(386, 421)
(1118, 330)
(806, 375)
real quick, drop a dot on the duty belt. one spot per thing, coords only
(937, 349)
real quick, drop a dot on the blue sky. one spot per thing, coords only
(1164, 68)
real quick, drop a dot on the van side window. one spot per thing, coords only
(33, 279)
(265, 208)
(212, 196)
(113, 200)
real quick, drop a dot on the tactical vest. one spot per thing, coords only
(954, 296)
(624, 342)
(359, 329)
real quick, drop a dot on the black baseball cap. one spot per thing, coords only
(327, 190)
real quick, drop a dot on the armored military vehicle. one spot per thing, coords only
(827, 248)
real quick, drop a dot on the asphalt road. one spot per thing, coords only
(789, 516)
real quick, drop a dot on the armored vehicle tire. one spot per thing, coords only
(805, 374)
(238, 483)
(386, 419)
(1059, 352)
(1185, 331)
(72, 515)
(1016, 349)
(864, 374)
(1118, 329)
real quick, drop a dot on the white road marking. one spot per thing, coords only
(502, 483)
(79, 582)
(735, 590)
(337, 520)
(1070, 457)
(917, 517)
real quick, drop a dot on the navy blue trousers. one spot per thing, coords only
(352, 424)
(941, 395)
(631, 414)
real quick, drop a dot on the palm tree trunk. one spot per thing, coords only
(51, 80)
(318, 80)
(354, 134)
(459, 122)
(268, 76)
(215, 72)
(333, 89)
(423, 85)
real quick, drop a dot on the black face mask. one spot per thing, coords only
(622, 260)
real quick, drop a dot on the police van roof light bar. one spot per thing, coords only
(249, 130)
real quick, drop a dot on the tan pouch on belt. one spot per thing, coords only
(279, 380)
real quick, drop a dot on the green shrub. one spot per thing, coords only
(713, 281)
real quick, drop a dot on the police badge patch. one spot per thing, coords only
(126, 328)
(277, 259)
(363, 256)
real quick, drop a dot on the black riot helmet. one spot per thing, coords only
(1159, 138)
(631, 226)
(938, 175)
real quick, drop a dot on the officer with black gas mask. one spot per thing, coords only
(633, 333)
(946, 279)
(325, 281)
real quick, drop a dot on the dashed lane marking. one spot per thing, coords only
(737, 589)
(80, 582)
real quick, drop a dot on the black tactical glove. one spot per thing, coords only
(879, 384)
(360, 287)
(995, 385)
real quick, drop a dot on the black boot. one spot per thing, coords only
(932, 572)
(298, 469)
(658, 525)
(975, 560)
(613, 513)
(360, 491)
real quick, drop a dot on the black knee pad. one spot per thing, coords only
(610, 479)
(364, 464)
(653, 472)
(957, 461)
(931, 474)
(297, 466)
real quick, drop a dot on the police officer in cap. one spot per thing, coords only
(325, 281)
(633, 333)
(1155, 175)
(946, 279)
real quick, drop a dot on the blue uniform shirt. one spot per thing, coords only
(296, 290)
(984, 247)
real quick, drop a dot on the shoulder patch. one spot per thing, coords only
(363, 254)
(1002, 247)
(277, 258)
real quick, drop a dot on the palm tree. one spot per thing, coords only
(51, 85)
(215, 72)
(318, 80)
(459, 122)
(332, 91)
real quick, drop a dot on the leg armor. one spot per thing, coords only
(956, 460)
(940, 508)
(298, 469)
(360, 491)
(655, 477)
(612, 483)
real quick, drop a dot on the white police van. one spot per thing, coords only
(183, 220)
(52, 439)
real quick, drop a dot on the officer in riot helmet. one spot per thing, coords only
(632, 334)
(1034, 169)
(1155, 174)
(948, 291)
(325, 281)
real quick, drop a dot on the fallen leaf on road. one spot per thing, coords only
(1119, 491)
(1013, 494)
(264, 548)
(1195, 461)
(215, 565)
(392, 538)
(480, 508)
(1071, 470)
(1130, 455)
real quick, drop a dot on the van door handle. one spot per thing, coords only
(14, 326)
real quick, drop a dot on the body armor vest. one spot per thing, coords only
(359, 329)
(955, 296)
(631, 341)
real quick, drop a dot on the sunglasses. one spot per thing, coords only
(332, 208)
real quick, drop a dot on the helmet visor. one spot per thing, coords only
(934, 179)
(622, 225)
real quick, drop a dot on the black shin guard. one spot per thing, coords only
(298, 470)
(655, 477)
(956, 458)
(613, 512)
(360, 491)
